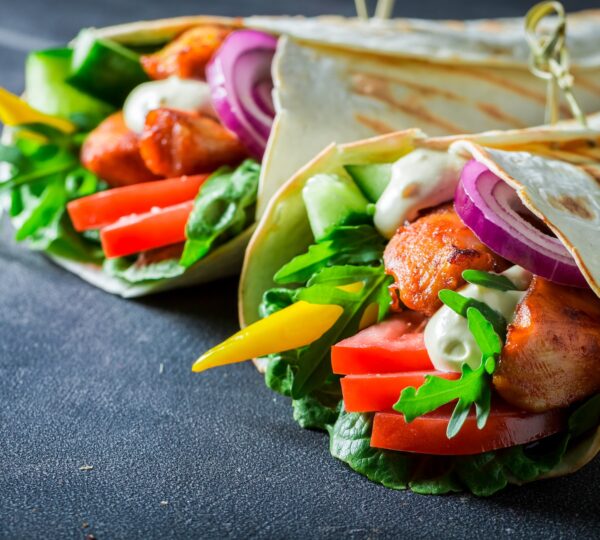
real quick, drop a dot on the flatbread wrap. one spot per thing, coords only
(434, 304)
(157, 122)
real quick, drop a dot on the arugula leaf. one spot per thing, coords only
(358, 245)
(473, 387)
(223, 209)
(51, 203)
(314, 365)
(485, 336)
(460, 304)
(489, 280)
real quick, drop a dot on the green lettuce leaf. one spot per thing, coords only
(275, 299)
(126, 269)
(222, 210)
(350, 442)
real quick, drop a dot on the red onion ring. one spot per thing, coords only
(239, 76)
(493, 211)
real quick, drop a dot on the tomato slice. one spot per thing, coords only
(158, 228)
(427, 434)
(395, 345)
(371, 393)
(104, 208)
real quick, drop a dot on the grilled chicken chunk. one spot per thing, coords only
(552, 354)
(176, 142)
(187, 56)
(430, 254)
(112, 152)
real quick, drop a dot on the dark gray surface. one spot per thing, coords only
(80, 384)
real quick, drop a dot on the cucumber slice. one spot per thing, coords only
(371, 179)
(331, 201)
(47, 91)
(105, 69)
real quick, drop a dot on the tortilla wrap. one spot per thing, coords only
(339, 80)
(556, 166)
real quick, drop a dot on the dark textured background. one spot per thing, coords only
(80, 384)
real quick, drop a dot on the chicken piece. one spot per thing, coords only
(552, 354)
(178, 142)
(430, 254)
(112, 151)
(187, 55)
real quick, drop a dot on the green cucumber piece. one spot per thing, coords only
(105, 69)
(331, 201)
(46, 88)
(371, 179)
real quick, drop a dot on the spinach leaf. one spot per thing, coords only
(357, 245)
(223, 209)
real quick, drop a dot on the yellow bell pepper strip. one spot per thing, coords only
(14, 111)
(294, 326)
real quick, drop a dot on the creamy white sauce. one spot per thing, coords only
(185, 94)
(421, 179)
(447, 337)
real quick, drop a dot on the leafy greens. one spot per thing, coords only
(223, 208)
(482, 474)
(44, 174)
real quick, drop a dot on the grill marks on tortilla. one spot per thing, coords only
(380, 88)
(372, 123)
(490, 76)
(578, 206)
(495, 112)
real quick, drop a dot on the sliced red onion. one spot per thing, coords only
(239, 76)
(494, 212)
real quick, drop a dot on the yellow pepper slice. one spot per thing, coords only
(14, 111)
(294, 326)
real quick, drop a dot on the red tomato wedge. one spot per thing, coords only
(158, 228)
(104, 208)
(427, 434)
(395, 345)
(371, 393)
